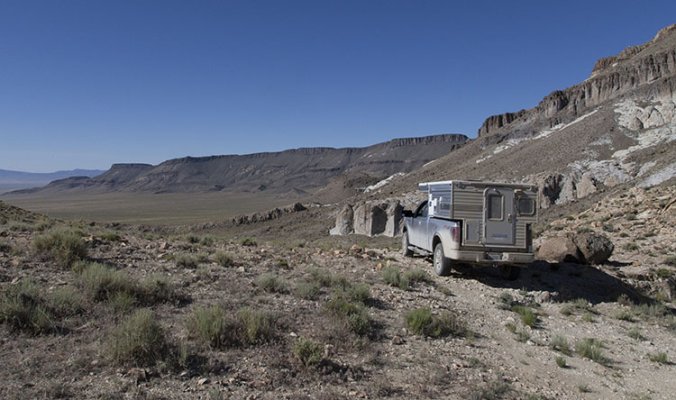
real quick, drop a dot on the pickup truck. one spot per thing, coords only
(473, 222)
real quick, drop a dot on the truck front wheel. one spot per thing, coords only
(442, 265)
(405, 250)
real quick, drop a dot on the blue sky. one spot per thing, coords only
(88, 83)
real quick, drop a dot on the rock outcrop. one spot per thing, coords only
(370, 219)
(583, 248)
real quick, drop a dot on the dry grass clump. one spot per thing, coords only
(421, 321)
(592, 349)
(393, 276)
(560, 344)
(184, 260)
(103, 283)
(138, 340)
(223, 259)
(351, 311)
(272, 283)
(23, 308)
(63, 246)
(215, 327)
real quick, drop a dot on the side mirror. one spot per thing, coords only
(407, 213)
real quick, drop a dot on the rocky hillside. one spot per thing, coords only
(299, 170)
(615, 128)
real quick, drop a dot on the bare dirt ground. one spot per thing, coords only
(559, 331)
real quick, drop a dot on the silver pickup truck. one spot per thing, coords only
(473, 222)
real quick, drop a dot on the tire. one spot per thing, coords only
(510, 272)
(442, 265)
(405, 250)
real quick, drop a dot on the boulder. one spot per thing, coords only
(559, 249)
(595, 248)
(586, 185)
(393, 225)
(344, 222)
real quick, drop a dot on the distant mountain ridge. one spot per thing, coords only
(14, 180)
(298, 171)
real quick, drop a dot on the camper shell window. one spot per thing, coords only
(495, 207)
(525, 206)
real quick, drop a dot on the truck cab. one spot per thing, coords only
(472, 222)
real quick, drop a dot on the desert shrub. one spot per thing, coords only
(527, 315)
(272, 283)
(664, 273)
(323, 277)
(138, 340)
(393, 277)
(184, 260)
(660, 358)
(122, 302)
(417, 275)
(422, 322)
(202, 258)
(521, 335)
(307, 290)
(561, 362)
(100, 282)
(218, 329)
(207, 241)
(635, 333)
(249, 242)
(155, 289)
(103, 283)
(625, 315)
(359, 293)
(493, 390)
(650, 311)
(62, 246)
(670, 260)
(341, 282)
(560, 344)
(258, 326)
(578, 305)
(66, 301)
(210, 325)
(192, 239)
(111, 236)
(308, 352)
(224, 259)
(592, 349)
(22, 308)
(353, 314)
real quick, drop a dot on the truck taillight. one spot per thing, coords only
(455, 233)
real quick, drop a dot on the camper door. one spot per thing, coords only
(499, 216)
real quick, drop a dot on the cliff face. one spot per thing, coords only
(649, 67)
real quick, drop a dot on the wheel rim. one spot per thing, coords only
(437, 258)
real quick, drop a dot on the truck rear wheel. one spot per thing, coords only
(442, 265)
(404, 245)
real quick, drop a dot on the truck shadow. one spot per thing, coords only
(563, 281)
